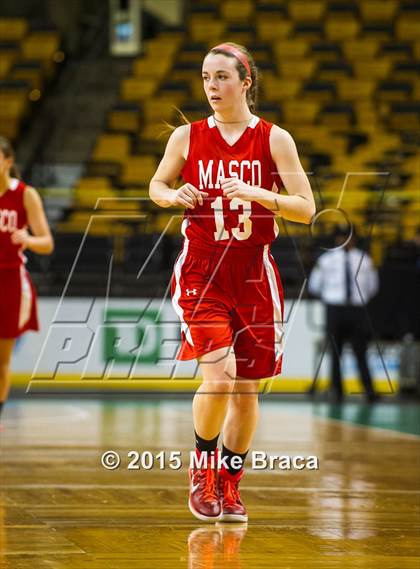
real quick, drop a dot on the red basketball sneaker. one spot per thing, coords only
(233, 509)
(204, 502)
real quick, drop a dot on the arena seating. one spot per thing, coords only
(29, 56)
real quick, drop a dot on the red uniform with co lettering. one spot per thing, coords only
(18, 308)
(226, 288)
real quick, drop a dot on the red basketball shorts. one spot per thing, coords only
(232, 298)
(18, 306)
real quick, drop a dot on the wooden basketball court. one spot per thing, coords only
(61, 509)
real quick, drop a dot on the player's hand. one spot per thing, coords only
(235, 188)
(188, 196)
(21, 237)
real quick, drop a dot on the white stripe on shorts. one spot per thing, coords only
(277, 314)
(25, 298)
(177, 294)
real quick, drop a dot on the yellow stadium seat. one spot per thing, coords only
(378, 11)
(291, 49)
(157, 131)
(200, 19)
(301, 69)
(159, 108)
(9, 126)
(93, 183)
(124, 120)
(137, 89)
(207, 30)
(272, 28)
(170, 223)
(360, 48)
(277, 89)
(146, 67)
(116, 204)
(341, 28)
(267, 2)
(111, 148)
(7, 58)
(300, 111)
(237, 10)
(137, 193)
(13, 29)
(13, 103)
(306, 10)
(407, 27)
(372, 68)
(138, 170)
(91, 198)
(352, 89)
(41, 45)
(162, 47)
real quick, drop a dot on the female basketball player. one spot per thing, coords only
(20, 207)
(226, 287)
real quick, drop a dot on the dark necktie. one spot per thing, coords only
(348, 276)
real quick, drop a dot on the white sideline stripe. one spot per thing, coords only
(177, 295)
(275, 296)
(25, 298)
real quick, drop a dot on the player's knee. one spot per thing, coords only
(245, 395)
(244, 400)
(222, 387)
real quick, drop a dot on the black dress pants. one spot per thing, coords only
(348, 323)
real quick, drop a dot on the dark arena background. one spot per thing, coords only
(86, 90)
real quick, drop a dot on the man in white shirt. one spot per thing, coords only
(345, 279)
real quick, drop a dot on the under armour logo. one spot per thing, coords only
(191, 291)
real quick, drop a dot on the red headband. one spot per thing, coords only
(236, 53)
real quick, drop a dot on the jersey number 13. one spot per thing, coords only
(244, 218)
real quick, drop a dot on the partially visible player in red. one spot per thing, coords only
(226, 288)
(20, 208)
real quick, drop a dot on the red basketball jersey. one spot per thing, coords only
(12, 217)
(221, 221)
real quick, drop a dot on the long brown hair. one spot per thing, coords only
(7, 149)
(252, 93)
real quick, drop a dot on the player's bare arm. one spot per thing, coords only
(161, 188)
(40, 240)
(299, 204)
